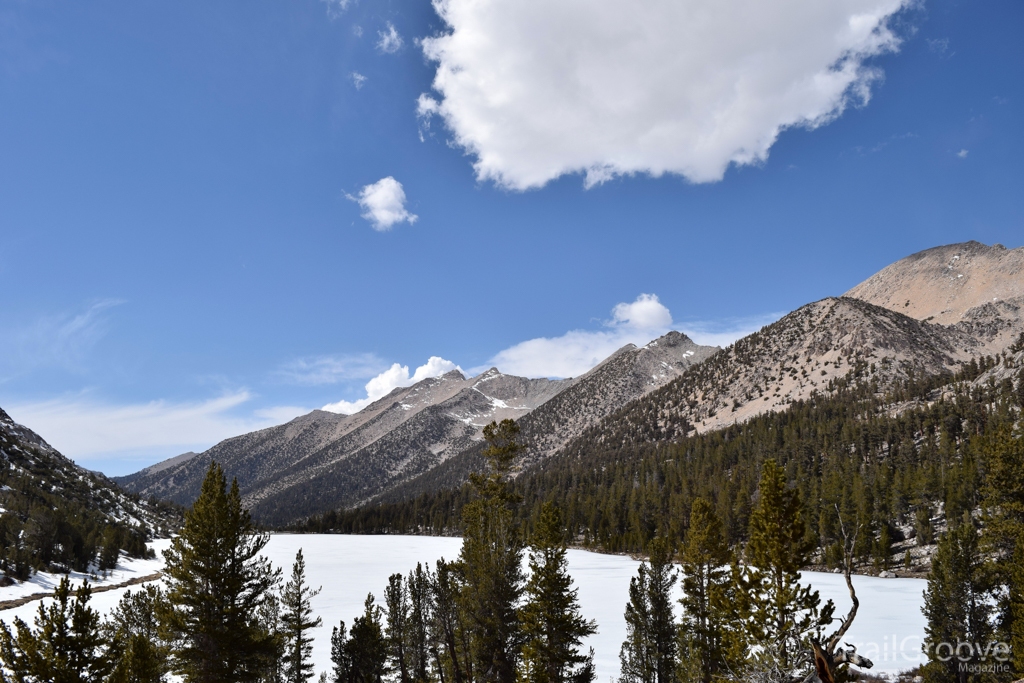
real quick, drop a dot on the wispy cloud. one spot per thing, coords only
(323, 370)
(56, 340)
(639, 322)
(86, 428)
(576, 351)
(358, 80)
(726, 331)
(389, 41)
(392, 378)
(335, 8)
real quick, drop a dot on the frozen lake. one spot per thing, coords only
(889, 628)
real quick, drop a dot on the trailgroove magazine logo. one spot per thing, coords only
(988, 657)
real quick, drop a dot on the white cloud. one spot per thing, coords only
(389, 380)
(535, 90)
(389, 41)
(962, 154)
(575, 352)
(335, 8)
(320, 370)
(725, 332)
(383, 204)
(84, 428)
(358, 80)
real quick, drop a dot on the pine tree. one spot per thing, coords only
(66, 646)
(340, 655)
(366, 650)
(139, 653)
(217, 583)
(956, 603)
(296, 620)
(396, 597)
(705, 578)
(491, 562)
(782, 615)
(648, 655)
(1003, 536)
(552, 623)
(449, 634)
(421, 612)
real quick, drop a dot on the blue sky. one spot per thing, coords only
(198, 234)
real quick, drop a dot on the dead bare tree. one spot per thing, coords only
(828, 655)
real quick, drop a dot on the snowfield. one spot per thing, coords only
(889, 628)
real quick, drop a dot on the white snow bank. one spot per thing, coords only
(889, 627)
(128, 568)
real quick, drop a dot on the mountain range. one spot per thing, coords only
(922, 316)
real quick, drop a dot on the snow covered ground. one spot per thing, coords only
(127, 569)
(889, 627)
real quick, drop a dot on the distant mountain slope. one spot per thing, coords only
(787, 361)
(322, 460)
(55, 514)
(626, 375)
(975, 287)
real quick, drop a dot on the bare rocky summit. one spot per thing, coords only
(977, 288)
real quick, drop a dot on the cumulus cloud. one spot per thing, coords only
(358, 80)
(535, 90)
(577, 351)
(389, 380)
(389, 41)
(322, 370)
(87, 429)
(383, 204)
(962, 154)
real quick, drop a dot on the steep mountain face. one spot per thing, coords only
(979, 289)
(802, 353)
(322, 460)
(55, 514)
(626, 375)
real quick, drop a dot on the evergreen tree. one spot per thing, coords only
(66, 646)
(648, 655)
(366, 649)
(396, 597)
(217, 584)
(340, 656)
(705, 578)
(552, 623)
(491, 562)
(421, 610)
(139, 653)
(782, 614)
(956, 605)
(1003, 535)
(449, 635)
(296, 620)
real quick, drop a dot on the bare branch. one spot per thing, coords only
(849, 545)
